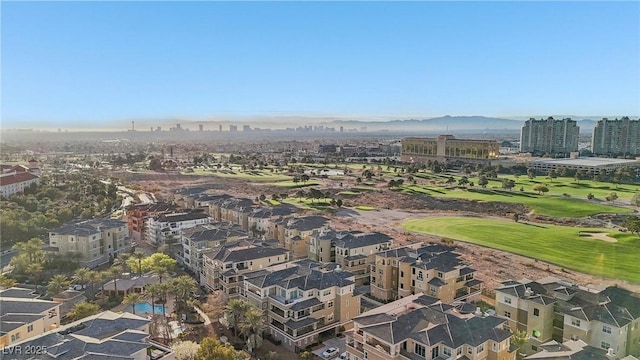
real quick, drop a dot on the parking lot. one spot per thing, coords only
(339, 343)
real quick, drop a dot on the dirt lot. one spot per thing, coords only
(493, 266)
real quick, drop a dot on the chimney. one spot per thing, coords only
(528, 292)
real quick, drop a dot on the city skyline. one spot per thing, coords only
(99, 64)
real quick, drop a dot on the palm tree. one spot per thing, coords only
(155, 291)
(237, 308)
(519, 339)
(132, 299)
(123, 259)
(6, 282)
(103, 277)
(81, 276)
(93, 277)
(182, 287)
(32, 248)
(35, 270)
(82, 310)
(138, 257)
(253, 325)
(164, 289)
(116, 272)
(57, 284)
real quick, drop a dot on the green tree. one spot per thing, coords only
(508, 184)
(35, 270)
(253, 325)
(6, 282)
(182, 287)
(482, 181)
(132, 299)
(32, 249)
(531, 174)
(185, 350)
(116, 273)
(632, 223)
(160, 264)
(519, 339)
(612, 197)
(155, 291)
(211, 349)
(272, 355)
(635, 199)
(540, 188)
(82, 276)
(57, 284)
(82, 310)
(306, 355)
(136, 260)
(237, 309)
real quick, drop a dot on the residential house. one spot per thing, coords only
(23, 316)
(169, 226)
(104, 336)
(224, 267)
(94, 242)
(129, 284)
(295, 233)
(261, 218)
(422, 327)
(433, 269)
(355, 251)
(571, 350)
(303, 300)
(199, 238)
(138, 216)
(553, 309)
(232, 210)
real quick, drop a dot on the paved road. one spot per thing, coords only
(6, 258)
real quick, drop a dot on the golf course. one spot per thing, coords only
(601, 252)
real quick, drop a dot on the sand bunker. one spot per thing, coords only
(598, 236)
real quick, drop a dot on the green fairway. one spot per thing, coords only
(365, 208)
(291, 184)
(559, 245)
(564, 199)
(254, 175)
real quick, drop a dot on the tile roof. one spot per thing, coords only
(358, 240)
(178, 217)
(88, 227)
(307, 223)
(16, 178)
(300, 277)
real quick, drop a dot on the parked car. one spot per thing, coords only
(330, 352)
(343, 356)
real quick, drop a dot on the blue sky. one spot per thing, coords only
(69, 63)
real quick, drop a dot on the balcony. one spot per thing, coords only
(379, 346)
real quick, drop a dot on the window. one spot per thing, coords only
(330, 304)
(536, 312)
(507, 300)
(446, 351)
(606, 329)
(326, 292)
(507, 314)
(330, 317)
(15, 337)
(420, 275)
(440, 274)
(605, 345)
(534, 348)
(413, 271)
(469, 350)
(401, 273)
(401, 286)
(380, 271)
(419, 349)
(30, 328)
(480, 349)
(459, 351)
(575, 322)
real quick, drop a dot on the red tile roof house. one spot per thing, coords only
(16, 182)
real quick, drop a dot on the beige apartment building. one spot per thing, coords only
(553, 309)
(295, 233)
(422, 327)
(23, 316)
(94, 242)
(447, 147)
(200, 238)
(354, 251)
(232, 210)
(224, 267)
(303, 300)
(431, 269)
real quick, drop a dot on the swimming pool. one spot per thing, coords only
(144, 307)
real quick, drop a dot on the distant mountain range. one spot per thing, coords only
(444, 123)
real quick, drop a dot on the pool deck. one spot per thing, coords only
(168, 307)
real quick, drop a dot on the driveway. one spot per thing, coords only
(340, 343)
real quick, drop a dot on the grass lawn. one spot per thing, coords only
(254, 175)
(554, 203)
(365, 208)
(559, 245)
(349, 193)
(291, 184)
